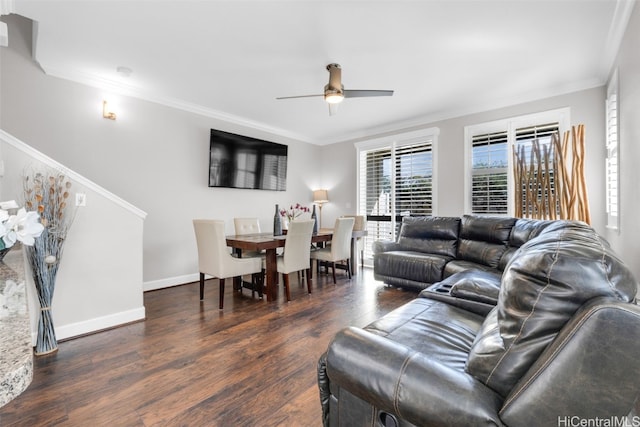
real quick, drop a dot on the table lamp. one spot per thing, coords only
(320, 197)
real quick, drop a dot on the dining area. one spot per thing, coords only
(267, 256)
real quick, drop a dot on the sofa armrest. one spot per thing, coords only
(409, 384)
(385, 246)
(473, 290)
(589, 371)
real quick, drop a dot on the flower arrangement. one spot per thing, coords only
(22, 227)
(294, 211)
(48, 195)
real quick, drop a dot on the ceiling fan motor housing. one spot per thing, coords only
(334, 90)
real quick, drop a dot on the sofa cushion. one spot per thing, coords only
(456, 266)
(483, 239)
(431, 327)
(543, 285)
(408, 265)
(434, 235)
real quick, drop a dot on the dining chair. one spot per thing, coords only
(360, 224)
(215, 259)
(246, 225)
(297, 248)
(340, 248)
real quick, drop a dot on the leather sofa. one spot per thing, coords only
(560, 346)
(429, 249)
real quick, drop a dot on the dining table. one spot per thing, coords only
(269, 243)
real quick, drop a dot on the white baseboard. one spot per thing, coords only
(99, 323)
(170, 281)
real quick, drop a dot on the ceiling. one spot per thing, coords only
(231, 59)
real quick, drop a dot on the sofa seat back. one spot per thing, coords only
(523, 230)
(543, 286)
(432, 235)
(483, 239)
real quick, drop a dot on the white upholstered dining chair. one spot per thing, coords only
(246, 226)
(340, 248)
(215, 259)
(297, 248)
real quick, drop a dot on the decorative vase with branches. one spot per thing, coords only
(47, 194)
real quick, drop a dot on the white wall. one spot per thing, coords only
(626, 240)
(153, 156)
(99, 283)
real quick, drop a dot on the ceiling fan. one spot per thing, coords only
(334, 91)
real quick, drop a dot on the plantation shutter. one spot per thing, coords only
(375, 182)
(489, 173)
(394, 181)
(375, 195)
(541, 135)
(612, 161)
(413, 176)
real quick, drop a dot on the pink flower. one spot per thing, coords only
(294, 211)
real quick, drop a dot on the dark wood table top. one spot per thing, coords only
(261, 241)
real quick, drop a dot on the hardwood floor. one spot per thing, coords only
(190, 364)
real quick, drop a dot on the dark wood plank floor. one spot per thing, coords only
(190, 364)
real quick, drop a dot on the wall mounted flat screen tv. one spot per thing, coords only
(237, 161)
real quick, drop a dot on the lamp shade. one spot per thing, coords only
(320, 196)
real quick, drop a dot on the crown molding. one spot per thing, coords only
(432, 119)
(618, 26)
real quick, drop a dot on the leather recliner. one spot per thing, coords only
(560, 345)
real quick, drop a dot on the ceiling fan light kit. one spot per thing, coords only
(334, 91)
(333, 97)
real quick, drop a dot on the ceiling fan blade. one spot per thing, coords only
(298, 96)
(366, 93)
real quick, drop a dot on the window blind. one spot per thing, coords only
(375, 196)
(489, 173)
(394, 181)
(612, 170)
(541, 138)
(413, 179)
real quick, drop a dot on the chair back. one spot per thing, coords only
(212, 246)
(297, 247)
(341, 240)
(360, 223)
(246, 225)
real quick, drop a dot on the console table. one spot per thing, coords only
(16, 351)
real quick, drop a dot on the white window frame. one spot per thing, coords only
(612, 150)
(560, 115)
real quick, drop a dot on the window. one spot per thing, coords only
(395, 179)
(534, 143)
(490, 149)
(489, 173)
(612, 166)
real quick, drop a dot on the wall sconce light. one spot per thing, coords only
(320, 197)
(106, 113)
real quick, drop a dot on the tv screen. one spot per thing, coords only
(237, 161)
